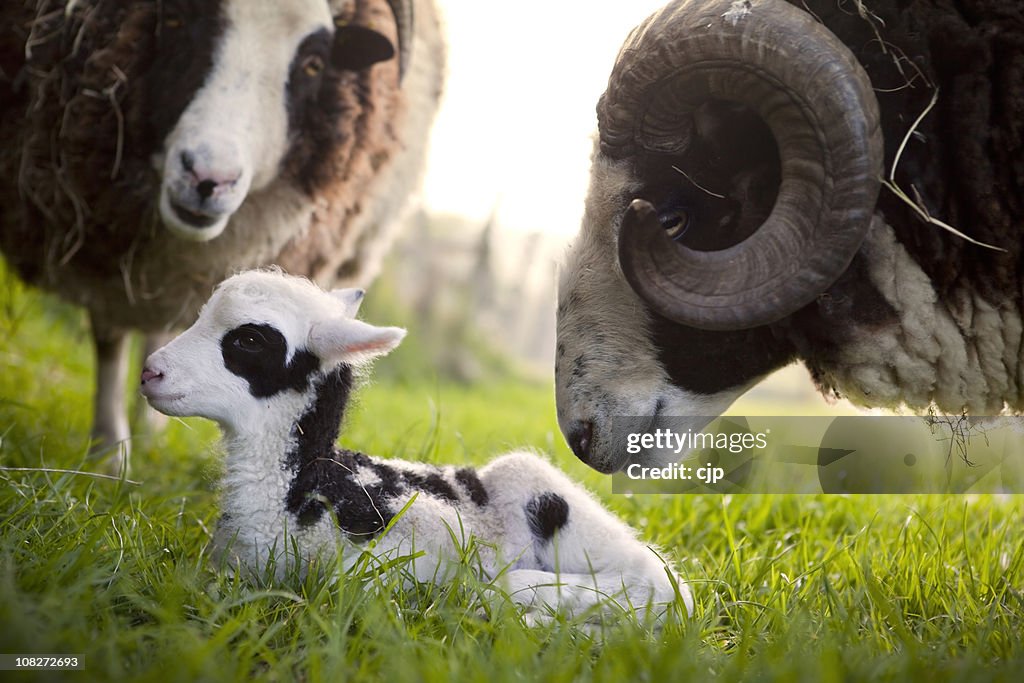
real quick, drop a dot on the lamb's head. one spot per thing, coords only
(733, 181)
(261, 344)
(236, 83)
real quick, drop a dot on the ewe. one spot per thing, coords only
(150, 149)
(272, 359)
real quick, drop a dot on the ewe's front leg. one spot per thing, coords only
(110, 432)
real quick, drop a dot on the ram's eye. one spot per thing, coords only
(313, 65)
(675, 223)
(172, 22)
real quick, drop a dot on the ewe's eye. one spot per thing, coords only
(675, 222)
(313, 65)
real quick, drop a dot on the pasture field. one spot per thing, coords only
(816, 588)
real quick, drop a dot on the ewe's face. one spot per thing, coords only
(238, 80)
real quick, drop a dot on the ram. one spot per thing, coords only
(273, 360)
(148, 149)
(837, 182)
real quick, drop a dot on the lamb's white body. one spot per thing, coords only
(270, 359)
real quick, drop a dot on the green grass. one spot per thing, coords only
(787, 587)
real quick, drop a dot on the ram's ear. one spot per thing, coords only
(350, 299)
(344, 340)
(358, 47)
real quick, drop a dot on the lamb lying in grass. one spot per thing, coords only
(272, 359)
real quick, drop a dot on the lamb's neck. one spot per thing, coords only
(294, 430)
(259, 447)
(264, 461)
(256, 479)
(316, 431)
(255, 483)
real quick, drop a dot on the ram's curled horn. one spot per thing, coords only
(818, 103)
(402, 9)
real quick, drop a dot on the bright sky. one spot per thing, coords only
(515, 128)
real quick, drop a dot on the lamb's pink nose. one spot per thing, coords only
(148, 375)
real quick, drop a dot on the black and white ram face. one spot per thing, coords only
(257, 347)
(733, 181)
(615, 358)
(236, 80)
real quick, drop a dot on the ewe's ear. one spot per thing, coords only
(350, 299)
(352, 341)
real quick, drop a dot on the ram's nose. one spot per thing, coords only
(580, 436)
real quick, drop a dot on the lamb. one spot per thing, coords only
(150, 149)
(737, 221)
(273, 359)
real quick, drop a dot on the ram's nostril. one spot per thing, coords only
(580, 435)
(188, 161)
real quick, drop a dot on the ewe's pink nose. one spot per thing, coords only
(148, 375)
(206, 180)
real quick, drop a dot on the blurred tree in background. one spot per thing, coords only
(478, 301)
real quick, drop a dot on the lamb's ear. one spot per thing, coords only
(352, 341)
(351, 299)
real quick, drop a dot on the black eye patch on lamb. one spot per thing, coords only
(258, 354)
